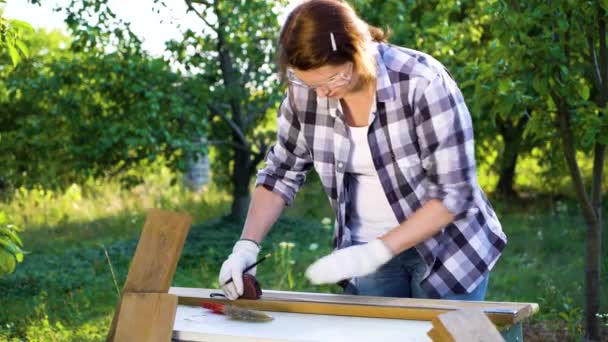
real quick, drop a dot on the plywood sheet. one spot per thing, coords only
(198, 324)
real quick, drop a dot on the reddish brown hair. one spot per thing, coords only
(305, 42)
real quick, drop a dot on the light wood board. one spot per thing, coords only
(363, 306)
(156, 256)
(466, 325)
(158, 252)
(146, 317)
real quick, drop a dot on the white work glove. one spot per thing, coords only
(354, 261)
(244, 253)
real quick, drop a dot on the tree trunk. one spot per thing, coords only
(593, 264)
(591, 214)
(506, 176)
(592, 280)
(512, 135)
(594, 223)
(240, 185)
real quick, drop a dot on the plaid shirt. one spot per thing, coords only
(421, 142)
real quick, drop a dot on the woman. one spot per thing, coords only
(388, 132)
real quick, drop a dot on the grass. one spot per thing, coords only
(64, 290)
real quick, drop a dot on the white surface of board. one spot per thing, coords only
(198, 324)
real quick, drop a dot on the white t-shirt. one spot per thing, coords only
(369, 214)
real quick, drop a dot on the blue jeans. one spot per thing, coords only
(401, 277)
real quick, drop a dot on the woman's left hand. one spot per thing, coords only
(354, 261)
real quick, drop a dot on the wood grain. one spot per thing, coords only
(464, 325)
(499, 313)
(158, 250)
(146, 317)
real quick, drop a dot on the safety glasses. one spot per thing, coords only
(338, 80)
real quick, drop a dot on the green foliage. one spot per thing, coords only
(11, 38)
(11, 42)
(547, 49)
(107, 112)
(10, 246)
(97, 30)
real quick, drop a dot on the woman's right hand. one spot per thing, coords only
(244, 253)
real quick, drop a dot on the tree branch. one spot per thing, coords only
(565, 128)
(594, 64)
(259, 113)
(603, 64)
(258, 157)
(230, 143)
(235, 128)
(207, 4)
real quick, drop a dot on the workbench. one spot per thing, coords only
(302, 316)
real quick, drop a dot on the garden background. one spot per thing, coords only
(95, 130)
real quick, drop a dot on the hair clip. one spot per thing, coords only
(333, 42)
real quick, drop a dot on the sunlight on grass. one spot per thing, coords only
(103, 210)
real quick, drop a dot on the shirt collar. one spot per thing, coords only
(384, 88)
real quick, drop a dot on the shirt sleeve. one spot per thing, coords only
(289, 159)
(445, 135)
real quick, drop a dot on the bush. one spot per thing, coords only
(10, 246)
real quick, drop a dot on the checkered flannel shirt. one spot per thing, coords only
(421, 142)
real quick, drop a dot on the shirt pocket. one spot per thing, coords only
(410, 166)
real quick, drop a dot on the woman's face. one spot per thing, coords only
(333, 81)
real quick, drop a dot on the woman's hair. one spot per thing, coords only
(305, 40)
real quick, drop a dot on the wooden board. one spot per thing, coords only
(156, 256)
(158, 252)
(364, 306)
(464, 325)
(146, 317)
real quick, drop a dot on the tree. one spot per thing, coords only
(96, 109)
(561, 48)
(458, 33)
(234, 55)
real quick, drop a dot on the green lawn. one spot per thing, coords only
(64, 290)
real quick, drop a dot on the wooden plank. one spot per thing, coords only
(146, 317)
(364, 306)
(158, 252)
(156, 256)
(464, 325)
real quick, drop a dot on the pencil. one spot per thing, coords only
(250, 267)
